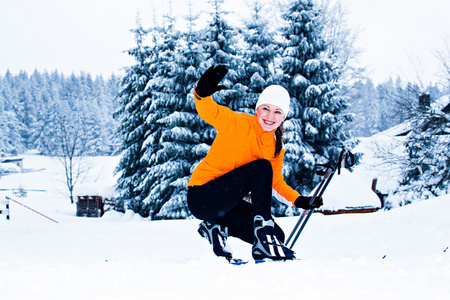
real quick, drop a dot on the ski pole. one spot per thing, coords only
(306, 214)
(318, 193)
(31, 209)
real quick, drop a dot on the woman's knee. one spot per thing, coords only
(263, 164)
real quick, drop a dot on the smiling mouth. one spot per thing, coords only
(269, 122)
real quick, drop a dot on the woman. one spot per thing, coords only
(245, 157)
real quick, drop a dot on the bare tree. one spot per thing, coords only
(443, 56)
(341, 40)
(68, 143)
(72, 146)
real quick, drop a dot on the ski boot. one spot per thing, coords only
(266, 245)
(217, 237)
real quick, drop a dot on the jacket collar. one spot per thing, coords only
(258, 129)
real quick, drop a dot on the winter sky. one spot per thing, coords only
(398, 37)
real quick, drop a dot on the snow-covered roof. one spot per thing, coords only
(396, 130)
(9, 167)
(7, 159)
(95, 189)
(441, 103)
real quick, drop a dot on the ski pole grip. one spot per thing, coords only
(347, 158)
(350, 156)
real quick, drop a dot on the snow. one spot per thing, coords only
(106, 190)
(338, 195)
(397, 254)
(9, 168)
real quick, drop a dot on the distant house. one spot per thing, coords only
(442, 104)
(18, 161)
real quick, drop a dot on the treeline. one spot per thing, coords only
(27, 103)
(377, 107)
(38, 110)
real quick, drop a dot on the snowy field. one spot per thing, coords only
(398, 254)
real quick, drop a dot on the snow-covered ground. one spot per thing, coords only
(398, 254)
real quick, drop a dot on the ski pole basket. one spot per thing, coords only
(345, 157)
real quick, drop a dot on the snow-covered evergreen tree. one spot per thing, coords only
(221, 42)
(184, 139)
(259, 54)
(40, 89)
(314, 128)
(135, 101)
(165, 141)
(26, 109)
(10, 127)
(427, 165)
(363, 106)
(32, 103)
(48, 128)
(177, 149)
(385, 110)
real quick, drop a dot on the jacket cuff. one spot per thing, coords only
(196, 95)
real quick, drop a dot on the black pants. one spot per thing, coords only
(220, 201)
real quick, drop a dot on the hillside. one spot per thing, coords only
(398, 254)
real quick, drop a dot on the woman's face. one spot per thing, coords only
(269, 116)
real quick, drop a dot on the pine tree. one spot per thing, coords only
(427, 165)
(161, 147)
(184, 138)
(33, 102)
(26, 109)
(382, 108)
(178, 151)
(107, 91)
(221, 44)
(314, 130)
(40, 90)
(10, 127)
(259, 54)
(134, 100)
(364, 108)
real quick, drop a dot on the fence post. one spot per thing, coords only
(6, 210)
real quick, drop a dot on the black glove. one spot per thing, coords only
(208, 83)
(303, 202)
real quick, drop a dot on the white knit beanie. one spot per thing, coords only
(275, 95)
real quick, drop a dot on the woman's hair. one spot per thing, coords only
(279, 140)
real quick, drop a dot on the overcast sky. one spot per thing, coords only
(399, 37)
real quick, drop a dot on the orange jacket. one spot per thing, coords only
(239, 140)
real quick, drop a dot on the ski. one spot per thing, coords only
(237, 261)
